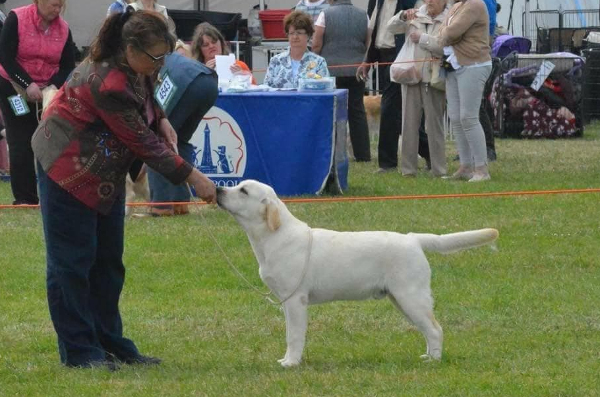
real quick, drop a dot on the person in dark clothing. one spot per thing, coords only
(341, 37)
(36, 50)
(197, 91)
(384, 47)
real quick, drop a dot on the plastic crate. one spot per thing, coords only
(272, 23)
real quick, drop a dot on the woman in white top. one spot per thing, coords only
(312, 7)
(152, 5)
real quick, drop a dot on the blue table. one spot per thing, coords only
(292, 141)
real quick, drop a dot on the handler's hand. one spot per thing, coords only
(362, 71)
(409, 15)
(166, 130)
(34, 92)
(204, 187)
(235, 68)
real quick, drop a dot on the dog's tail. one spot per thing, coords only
(448, 243)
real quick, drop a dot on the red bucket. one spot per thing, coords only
(272, 23)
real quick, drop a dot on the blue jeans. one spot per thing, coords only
(84, 276)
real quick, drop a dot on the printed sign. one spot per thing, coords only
(545, 69)
(220, 148)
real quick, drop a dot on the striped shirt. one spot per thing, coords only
(312, 9)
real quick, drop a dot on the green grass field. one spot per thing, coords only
(520, 321)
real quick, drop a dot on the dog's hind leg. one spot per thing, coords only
(418, 308)
(296, 320)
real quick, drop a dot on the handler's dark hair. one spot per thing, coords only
(142, 29)
(299, 20)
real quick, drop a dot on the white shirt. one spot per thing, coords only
(449, 52)
(314, 3)
(385, 38)
(138, 5)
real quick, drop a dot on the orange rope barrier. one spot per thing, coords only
(371, 198)
(366, 63)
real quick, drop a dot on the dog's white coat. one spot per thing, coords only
(342, 266)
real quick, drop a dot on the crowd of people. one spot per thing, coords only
(457, 31)
(105, 122)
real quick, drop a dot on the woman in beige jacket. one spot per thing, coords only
(465, 35)
(421, 27)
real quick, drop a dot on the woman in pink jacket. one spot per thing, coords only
(36, 50)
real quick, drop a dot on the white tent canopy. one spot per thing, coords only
(85, 16)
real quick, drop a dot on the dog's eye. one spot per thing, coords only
(244, 191)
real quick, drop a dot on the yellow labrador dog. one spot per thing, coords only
(304, 266)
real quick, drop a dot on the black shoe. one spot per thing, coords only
(110, 365)
(23, 202)
(491, 155)
(456, 158)
(142, 360)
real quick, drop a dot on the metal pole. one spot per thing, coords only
(510, 17)
(262, 4)
(560, 29)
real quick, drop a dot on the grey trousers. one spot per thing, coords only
(416, 99)
(464, 90)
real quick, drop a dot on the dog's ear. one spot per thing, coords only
(272, 215)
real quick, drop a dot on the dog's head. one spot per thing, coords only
(253, 204)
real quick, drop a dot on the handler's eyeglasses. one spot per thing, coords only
(155, 59)
(297, 33)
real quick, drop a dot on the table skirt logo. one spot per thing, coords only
(219, 146)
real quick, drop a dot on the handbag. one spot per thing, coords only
(438, 79)
(48, 94)
(446, 65)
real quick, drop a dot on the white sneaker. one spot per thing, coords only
(480, 177)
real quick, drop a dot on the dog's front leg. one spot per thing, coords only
(296, 319)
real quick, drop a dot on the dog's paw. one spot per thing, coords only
(287, 362)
